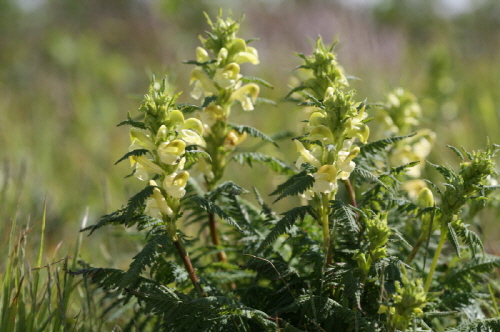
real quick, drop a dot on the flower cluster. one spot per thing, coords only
(400, 116)
(220, 76)
(217, 78)
(335, 124)
(158, 150)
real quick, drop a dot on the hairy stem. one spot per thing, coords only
(324, 212)
(442, 240)
(189, 266)
(214, 235)
(415, 249)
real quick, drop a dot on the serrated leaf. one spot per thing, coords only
(457, 152)
(131, 122)
(136, 203)
(343, 212)
(252, 132)
(187, 108)
(145, 258)
(448, 173)
(367, 175)
(193, 155)
(452, 236)
(296, 89)
(274, 163)
(300, 183)
(249, 79)
(285, 223)
(374, 147)
(208, 100)
(137, 153)
(211, 207)
(227, 187)
(260, 100)
(194, 62)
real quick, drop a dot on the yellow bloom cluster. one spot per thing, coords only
(166, 137)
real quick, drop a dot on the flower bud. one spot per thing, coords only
(202, 55)
(425, 198)
(176, 117)
(233, 138)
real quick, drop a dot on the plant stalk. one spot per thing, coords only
(188, 266)
(215, 236)
(442, 240)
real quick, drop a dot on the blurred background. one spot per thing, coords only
(71, 70)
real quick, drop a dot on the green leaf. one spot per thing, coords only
(361, 172)
(187, 108)
(194, 62)
(193, 155)
(249, 79)
(457, 152)
(296, 185)
(211, 207)
(274, 163)
(452, 236)
(131, 122)
(252, 132)
(343, 213)
(296, 89)
(146, 258)
(374, 147)
(227, 187)
(285, 223)
(260, 100)
(447, 172)
(137, 153)
(136, 203)
(208, 100)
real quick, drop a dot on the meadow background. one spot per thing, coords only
(71, 70)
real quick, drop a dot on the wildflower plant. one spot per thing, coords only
(361, 252)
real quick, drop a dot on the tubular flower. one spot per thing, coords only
(345, 163)
(243, 53)
(228, 76)
(175, 184)
(203, 84)
(140, 138)
(144, 166)
(247, 95)
(305, 156)
(326, 179)
(170, 153)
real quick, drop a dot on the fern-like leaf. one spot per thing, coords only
(131, 122)
(136, 203)
(211, 207)
(248, 79)
(145, 258)
(137, 153)
(285, 223)
(295, 185)
(374, 147)
(229, 188)
(274, 163)
(252, 132)
(193, 155)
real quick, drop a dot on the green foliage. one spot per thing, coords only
(354, 255)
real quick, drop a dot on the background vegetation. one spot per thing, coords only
(69, 72)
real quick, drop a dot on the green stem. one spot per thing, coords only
(442, 240)
(327, 242)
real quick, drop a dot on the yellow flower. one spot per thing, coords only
(247, 95)
(227, 77)
(170, 153)
(175, 184)
(305, 156)
(326, 179)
